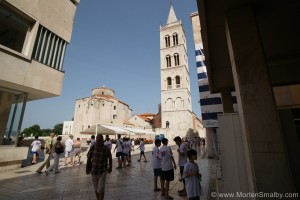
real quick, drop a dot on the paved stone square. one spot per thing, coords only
(134, 182)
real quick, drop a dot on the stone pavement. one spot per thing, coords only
(134, 182)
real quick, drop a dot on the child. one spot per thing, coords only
(36, 148)
(156, 163)
(192, 176)
(142, 148)
(167, 171)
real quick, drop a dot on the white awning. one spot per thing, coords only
(139, 131)
(105, 130)
(116, 129)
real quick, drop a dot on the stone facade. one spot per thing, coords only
(100, 108)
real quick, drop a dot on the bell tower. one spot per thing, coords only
(176, 105)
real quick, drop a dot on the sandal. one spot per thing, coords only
(157, 189)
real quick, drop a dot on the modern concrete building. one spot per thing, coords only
(67, 127)
(176, 101)
(33, 39)
(252, 47)
(100, 108)
(211, 104)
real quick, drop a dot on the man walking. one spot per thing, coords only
(182, 160)
(69, 150)
(48, 153)
(119, 146)
(101, 165)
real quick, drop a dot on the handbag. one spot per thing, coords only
(89, 163)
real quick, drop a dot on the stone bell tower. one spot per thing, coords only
(176, 105)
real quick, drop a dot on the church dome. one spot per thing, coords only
(103, 91)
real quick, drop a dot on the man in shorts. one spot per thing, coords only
(142, 148)
(69, 149)
(101, 165)
(168, 166)
(119, 154)
(156, 164)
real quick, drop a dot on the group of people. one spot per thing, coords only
(100, 158)
(55, 149)
(123, 150)
(163, 164)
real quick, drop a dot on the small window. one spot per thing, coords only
(176, 59)
(114, 116)
(168, 59)
(89, 126)
(115, 107)
(169, 82)
(177, 80)
(175, 39)
(102, 93)
(167, 40)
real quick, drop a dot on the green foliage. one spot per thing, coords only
(58, 128)
(36, 130)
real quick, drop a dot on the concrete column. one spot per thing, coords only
(6, 99)
(211, 143)
(226, 100)
(266, 159)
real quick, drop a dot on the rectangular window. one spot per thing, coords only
(115, 107)
(14, 29)
(114, 116)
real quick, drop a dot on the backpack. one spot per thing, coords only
(59, 148)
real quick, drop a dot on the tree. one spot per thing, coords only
(34, 130)
(58, 129)
(46, 132)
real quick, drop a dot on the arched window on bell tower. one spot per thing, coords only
(167, 40)
(168, 59)
(169, 83)
(176, 59)
(177, 80)
(175, 39)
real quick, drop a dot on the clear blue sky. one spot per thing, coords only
(116, 43)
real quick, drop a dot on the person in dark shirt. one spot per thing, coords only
(101, 165)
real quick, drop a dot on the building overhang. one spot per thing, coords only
(278, 26)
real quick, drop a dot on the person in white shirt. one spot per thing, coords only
(142, 149)
(93, 141)
(35, 149)
(69, 149)
(119, 154)
(108, 142)
(156, 163)
(126, 151)
(192, 176)
(182, 160)
(167, 168)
